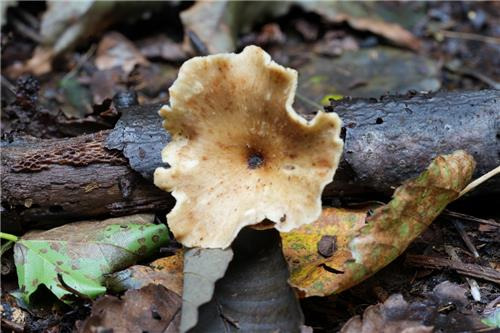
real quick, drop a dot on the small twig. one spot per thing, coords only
(479, 181)
(470, 36)
(474, 287)
(470, 218)
(198, 45)
(473, 270)
(471, 73)
(13, 326)
(460, 228)
(225, 317)
(363, 204)
(8, 85)
(33, 22)
(486, 329)
(481, 77)
(80, 62)
(27, 31)
(308, 101)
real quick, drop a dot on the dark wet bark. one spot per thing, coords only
(45, 182)
(394, 139)
(71, 184)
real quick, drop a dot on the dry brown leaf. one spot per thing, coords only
(161, 46)
(104, 84)
(206, 20)
(152, 309)
(393, 316)
(339, 12)
(391, 31)
(442, 310)
(40, 62)
(115, 50)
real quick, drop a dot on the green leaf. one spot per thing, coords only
(81, 253)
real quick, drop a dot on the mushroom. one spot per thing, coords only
(239, 153)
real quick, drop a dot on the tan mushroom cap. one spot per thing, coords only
(239, 152)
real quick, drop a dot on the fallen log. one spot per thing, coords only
(387, 141)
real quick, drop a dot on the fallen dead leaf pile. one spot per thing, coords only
(443, 310)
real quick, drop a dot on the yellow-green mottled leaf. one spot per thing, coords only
(300, 248)
(83, 252)
(365, 244)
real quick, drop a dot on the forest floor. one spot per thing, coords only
(452, 46)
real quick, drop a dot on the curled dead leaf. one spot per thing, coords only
(360, 18)
(152, 309)
(368, 242)
(115, 50)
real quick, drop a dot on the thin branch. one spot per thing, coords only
(8, 85)
(225, 317)
(73, 291)
(474, 288)
(480, 180)
(473, 270)
(30, 19)
(470, 36)
(308, 101)
(460, 228)
(466, 217)
(80, 62)
(27, 31)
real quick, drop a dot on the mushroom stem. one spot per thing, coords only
(254, 294)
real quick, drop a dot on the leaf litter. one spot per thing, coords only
(452, 44)
(115, 50)
(397, 315)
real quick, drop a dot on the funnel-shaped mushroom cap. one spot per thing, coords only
(239, 152)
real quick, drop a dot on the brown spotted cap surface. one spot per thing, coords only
(239, 152)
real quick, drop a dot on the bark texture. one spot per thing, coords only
(387, 141)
